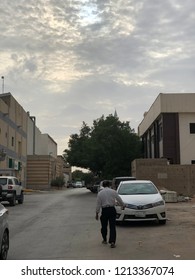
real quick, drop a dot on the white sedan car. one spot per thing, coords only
(143, 202)
(4, 233)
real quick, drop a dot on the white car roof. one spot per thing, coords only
(136, 181)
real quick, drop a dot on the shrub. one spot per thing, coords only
(58, 182)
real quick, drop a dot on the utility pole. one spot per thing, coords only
(2, 77)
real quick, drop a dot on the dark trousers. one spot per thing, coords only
(108, 216)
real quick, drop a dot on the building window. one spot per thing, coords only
(12, 141)
(192, 128)
(19, 148)
(192, 161)
(160, 131)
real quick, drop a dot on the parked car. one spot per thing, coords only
(116, 181)
(143, 202)
(69, 185)
(4, 233)
(11, 190)
(78, 184)
(94, 187)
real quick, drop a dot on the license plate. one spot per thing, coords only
(140, 214)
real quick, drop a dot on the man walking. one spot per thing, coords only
(106, 199)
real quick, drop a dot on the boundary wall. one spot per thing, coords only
(173, 177)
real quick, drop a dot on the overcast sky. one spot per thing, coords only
(69, 61)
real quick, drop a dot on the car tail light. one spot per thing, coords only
(10, 187)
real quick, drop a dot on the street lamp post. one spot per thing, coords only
(49, 168)
(2, 77)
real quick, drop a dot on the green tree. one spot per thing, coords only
(77, 148)
(106, 149)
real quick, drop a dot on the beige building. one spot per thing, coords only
(168, 128)
(39, 143)
(168, 136)
(25, 152)
(43, 164)
(64, 168)
(13, 137)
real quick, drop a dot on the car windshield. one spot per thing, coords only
(137, 188)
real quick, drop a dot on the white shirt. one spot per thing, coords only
(107, 197)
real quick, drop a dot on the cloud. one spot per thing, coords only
(72, 61)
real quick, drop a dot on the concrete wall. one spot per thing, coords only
(39, 143)
(179, 178)
(40, 171)
(49, 146)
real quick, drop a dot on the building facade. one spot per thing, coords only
(64, 168)
(13, 137)
(42, 159)
(168, 128)
(25, 152)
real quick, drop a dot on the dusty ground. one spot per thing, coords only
(70, 215)
(181, 221)
(175, 240)
(182, 213)
(181, 229)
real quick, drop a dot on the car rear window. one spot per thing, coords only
(3, 181)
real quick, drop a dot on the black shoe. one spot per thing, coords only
(112, 245)
(104, 242)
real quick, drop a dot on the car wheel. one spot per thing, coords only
(21, 199)
(162, 222)
(4, 246)
(13, 200)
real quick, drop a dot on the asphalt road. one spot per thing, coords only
(61, 225)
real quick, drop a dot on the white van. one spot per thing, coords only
(116, 181)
